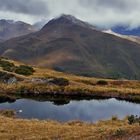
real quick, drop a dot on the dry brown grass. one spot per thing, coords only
(19, 129)
(78, 84)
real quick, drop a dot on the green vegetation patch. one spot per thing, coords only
(10, 67)
(60, 81)
(24, 70)
(102, 82)
(7, 66)
(133, 119)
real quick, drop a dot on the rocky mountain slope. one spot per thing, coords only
(10, 29)
(71, 45)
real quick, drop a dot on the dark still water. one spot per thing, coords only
(84, 110)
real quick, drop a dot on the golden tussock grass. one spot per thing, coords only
(77, 84)
(20, 129)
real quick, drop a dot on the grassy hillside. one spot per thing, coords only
(69, 47)
(49, 82)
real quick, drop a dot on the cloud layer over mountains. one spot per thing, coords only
(104, 13)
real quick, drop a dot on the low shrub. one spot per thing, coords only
(114, 118)
(102, 82)
(119, 132)
(133, 119)
(87, 82)
(60, 81)
(7, 66)
(24, 70)
(136, 98)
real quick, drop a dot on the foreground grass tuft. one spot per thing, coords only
(7, 113)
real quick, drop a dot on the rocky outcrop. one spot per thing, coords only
(8, 78)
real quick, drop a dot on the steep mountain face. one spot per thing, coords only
(70, 45)
(10, 29)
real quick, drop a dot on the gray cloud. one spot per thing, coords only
(31, 7)
(117, 4)
(123, 6)
(104, 13)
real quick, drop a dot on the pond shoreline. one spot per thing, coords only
(11, 97)
(66, 109)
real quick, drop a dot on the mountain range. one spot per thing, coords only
(10, 29)
(71, 45)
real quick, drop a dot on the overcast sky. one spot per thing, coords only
(105, 13)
